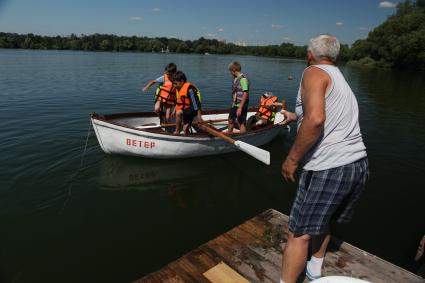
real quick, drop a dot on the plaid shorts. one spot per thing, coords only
(327, 195)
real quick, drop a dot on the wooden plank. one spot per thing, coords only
(254, 250)
(235, 255)
(222, 273)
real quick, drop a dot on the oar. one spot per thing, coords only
(256, 152)
(153, 126)
(215, 121)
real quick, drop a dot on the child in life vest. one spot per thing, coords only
(188, 103)
(165, 95)
(266, 112)
(240, 98)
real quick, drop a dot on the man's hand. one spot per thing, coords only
(288, 170)
(289, 117)
(145, 89)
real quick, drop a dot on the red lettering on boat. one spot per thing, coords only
(140, 143)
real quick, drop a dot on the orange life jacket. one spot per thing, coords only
(166, 92)
(183, 100)
(266, 109)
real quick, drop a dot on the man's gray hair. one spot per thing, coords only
(324, 46)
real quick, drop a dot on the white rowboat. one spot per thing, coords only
(139, 134)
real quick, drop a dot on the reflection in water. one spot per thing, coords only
(129, 173)
(185, 180)
(176, 205)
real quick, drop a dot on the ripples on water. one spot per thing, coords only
(123, 217)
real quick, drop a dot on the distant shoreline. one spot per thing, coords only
(143, 52)
(113, 43)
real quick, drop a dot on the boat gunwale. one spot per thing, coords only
(106, 118)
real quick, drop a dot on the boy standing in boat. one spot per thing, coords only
(188, 103)
(240, 98)
(165, 95)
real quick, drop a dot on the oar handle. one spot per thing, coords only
(217, 134)
(204, 122)
(168, 125)
(214, 121)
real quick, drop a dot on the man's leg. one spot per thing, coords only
(294, 257)
(319, 244)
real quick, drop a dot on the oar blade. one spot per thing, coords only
(256, 152)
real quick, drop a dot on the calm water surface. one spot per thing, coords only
(120, 218)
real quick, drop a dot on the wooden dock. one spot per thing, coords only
(254, 250)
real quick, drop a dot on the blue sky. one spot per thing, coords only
(250, 21)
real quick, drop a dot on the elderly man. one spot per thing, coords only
(330, 149)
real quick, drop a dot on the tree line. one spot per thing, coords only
(398, 42)
(109, 42)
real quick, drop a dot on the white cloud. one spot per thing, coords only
(339, 23)
(211, 35)
(387, 5)
(363, 28)
(136, 19)
(156, 9)
(287, 38)
(220, 30)
(276, 26)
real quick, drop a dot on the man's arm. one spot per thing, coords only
(313, 90)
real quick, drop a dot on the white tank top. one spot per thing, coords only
(341, 142)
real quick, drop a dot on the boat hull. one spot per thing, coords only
(124, 140)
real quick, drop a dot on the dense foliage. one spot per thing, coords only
(106, 42)
(399, 41)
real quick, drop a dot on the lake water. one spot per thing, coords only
(115, 218)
